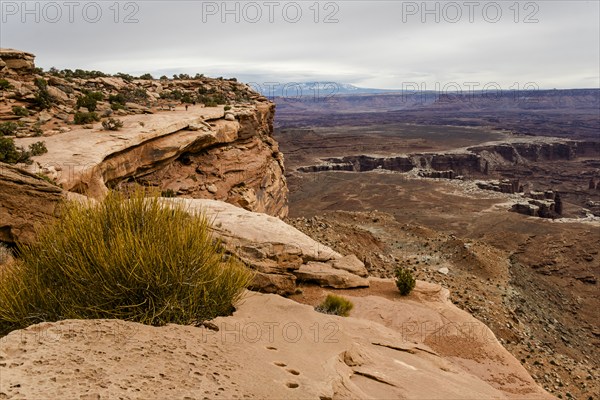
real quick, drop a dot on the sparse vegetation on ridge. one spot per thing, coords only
(131, 259)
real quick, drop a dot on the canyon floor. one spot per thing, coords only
(533, 281)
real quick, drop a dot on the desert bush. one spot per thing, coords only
(227, 108)
(131, 259)
(20, 111)
(10, 154)
(112, 124)
(42, 98)
(38, 148)
(89, 100)
(404, 280)
(8, 128)
(36, 129)
(335, 305)
(147, 77)
(82, 118)
(4, 84)
(125, 77)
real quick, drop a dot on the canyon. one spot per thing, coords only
(326, 198)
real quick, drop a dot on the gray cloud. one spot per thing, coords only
(373, 44)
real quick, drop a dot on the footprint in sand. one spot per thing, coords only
(290, 370)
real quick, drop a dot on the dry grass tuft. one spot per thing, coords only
(134, 260)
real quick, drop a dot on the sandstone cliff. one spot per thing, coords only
(196, 138)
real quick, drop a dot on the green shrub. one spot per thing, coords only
(147, 77)
(112, 124)
(10, 154)
(227, 108)
(4, 84)
(38, 148)
(37, 129)
(404, 281)
(130, 259)
(20, 111)
(89, 100)
(125, 77)
(8, 128)
(42, 98)
(82, 118)
(335, 305)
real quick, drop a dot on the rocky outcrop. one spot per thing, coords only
(503, 185)
(271, 347)
(478, 160)
(280, 254)
(16, 61)
(26, 201)
(192, 153)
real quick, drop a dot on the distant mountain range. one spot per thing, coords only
(308, 89)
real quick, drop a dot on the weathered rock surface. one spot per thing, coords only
(16, 60)
(270, 348)
(235, 161)
(326, 275)
(170, 140)
(279, 253)
(26, 200)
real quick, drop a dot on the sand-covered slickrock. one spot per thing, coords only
(270, 348)
(26, 200)
(279, 253)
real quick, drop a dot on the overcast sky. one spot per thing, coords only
(377, 44)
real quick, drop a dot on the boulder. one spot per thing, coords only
(279, 253)
(26, 201)
(325, 275)
(352, 264)
(16, 60)
(58, 94)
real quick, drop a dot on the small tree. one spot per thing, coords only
(404, 281)
(42, 98)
